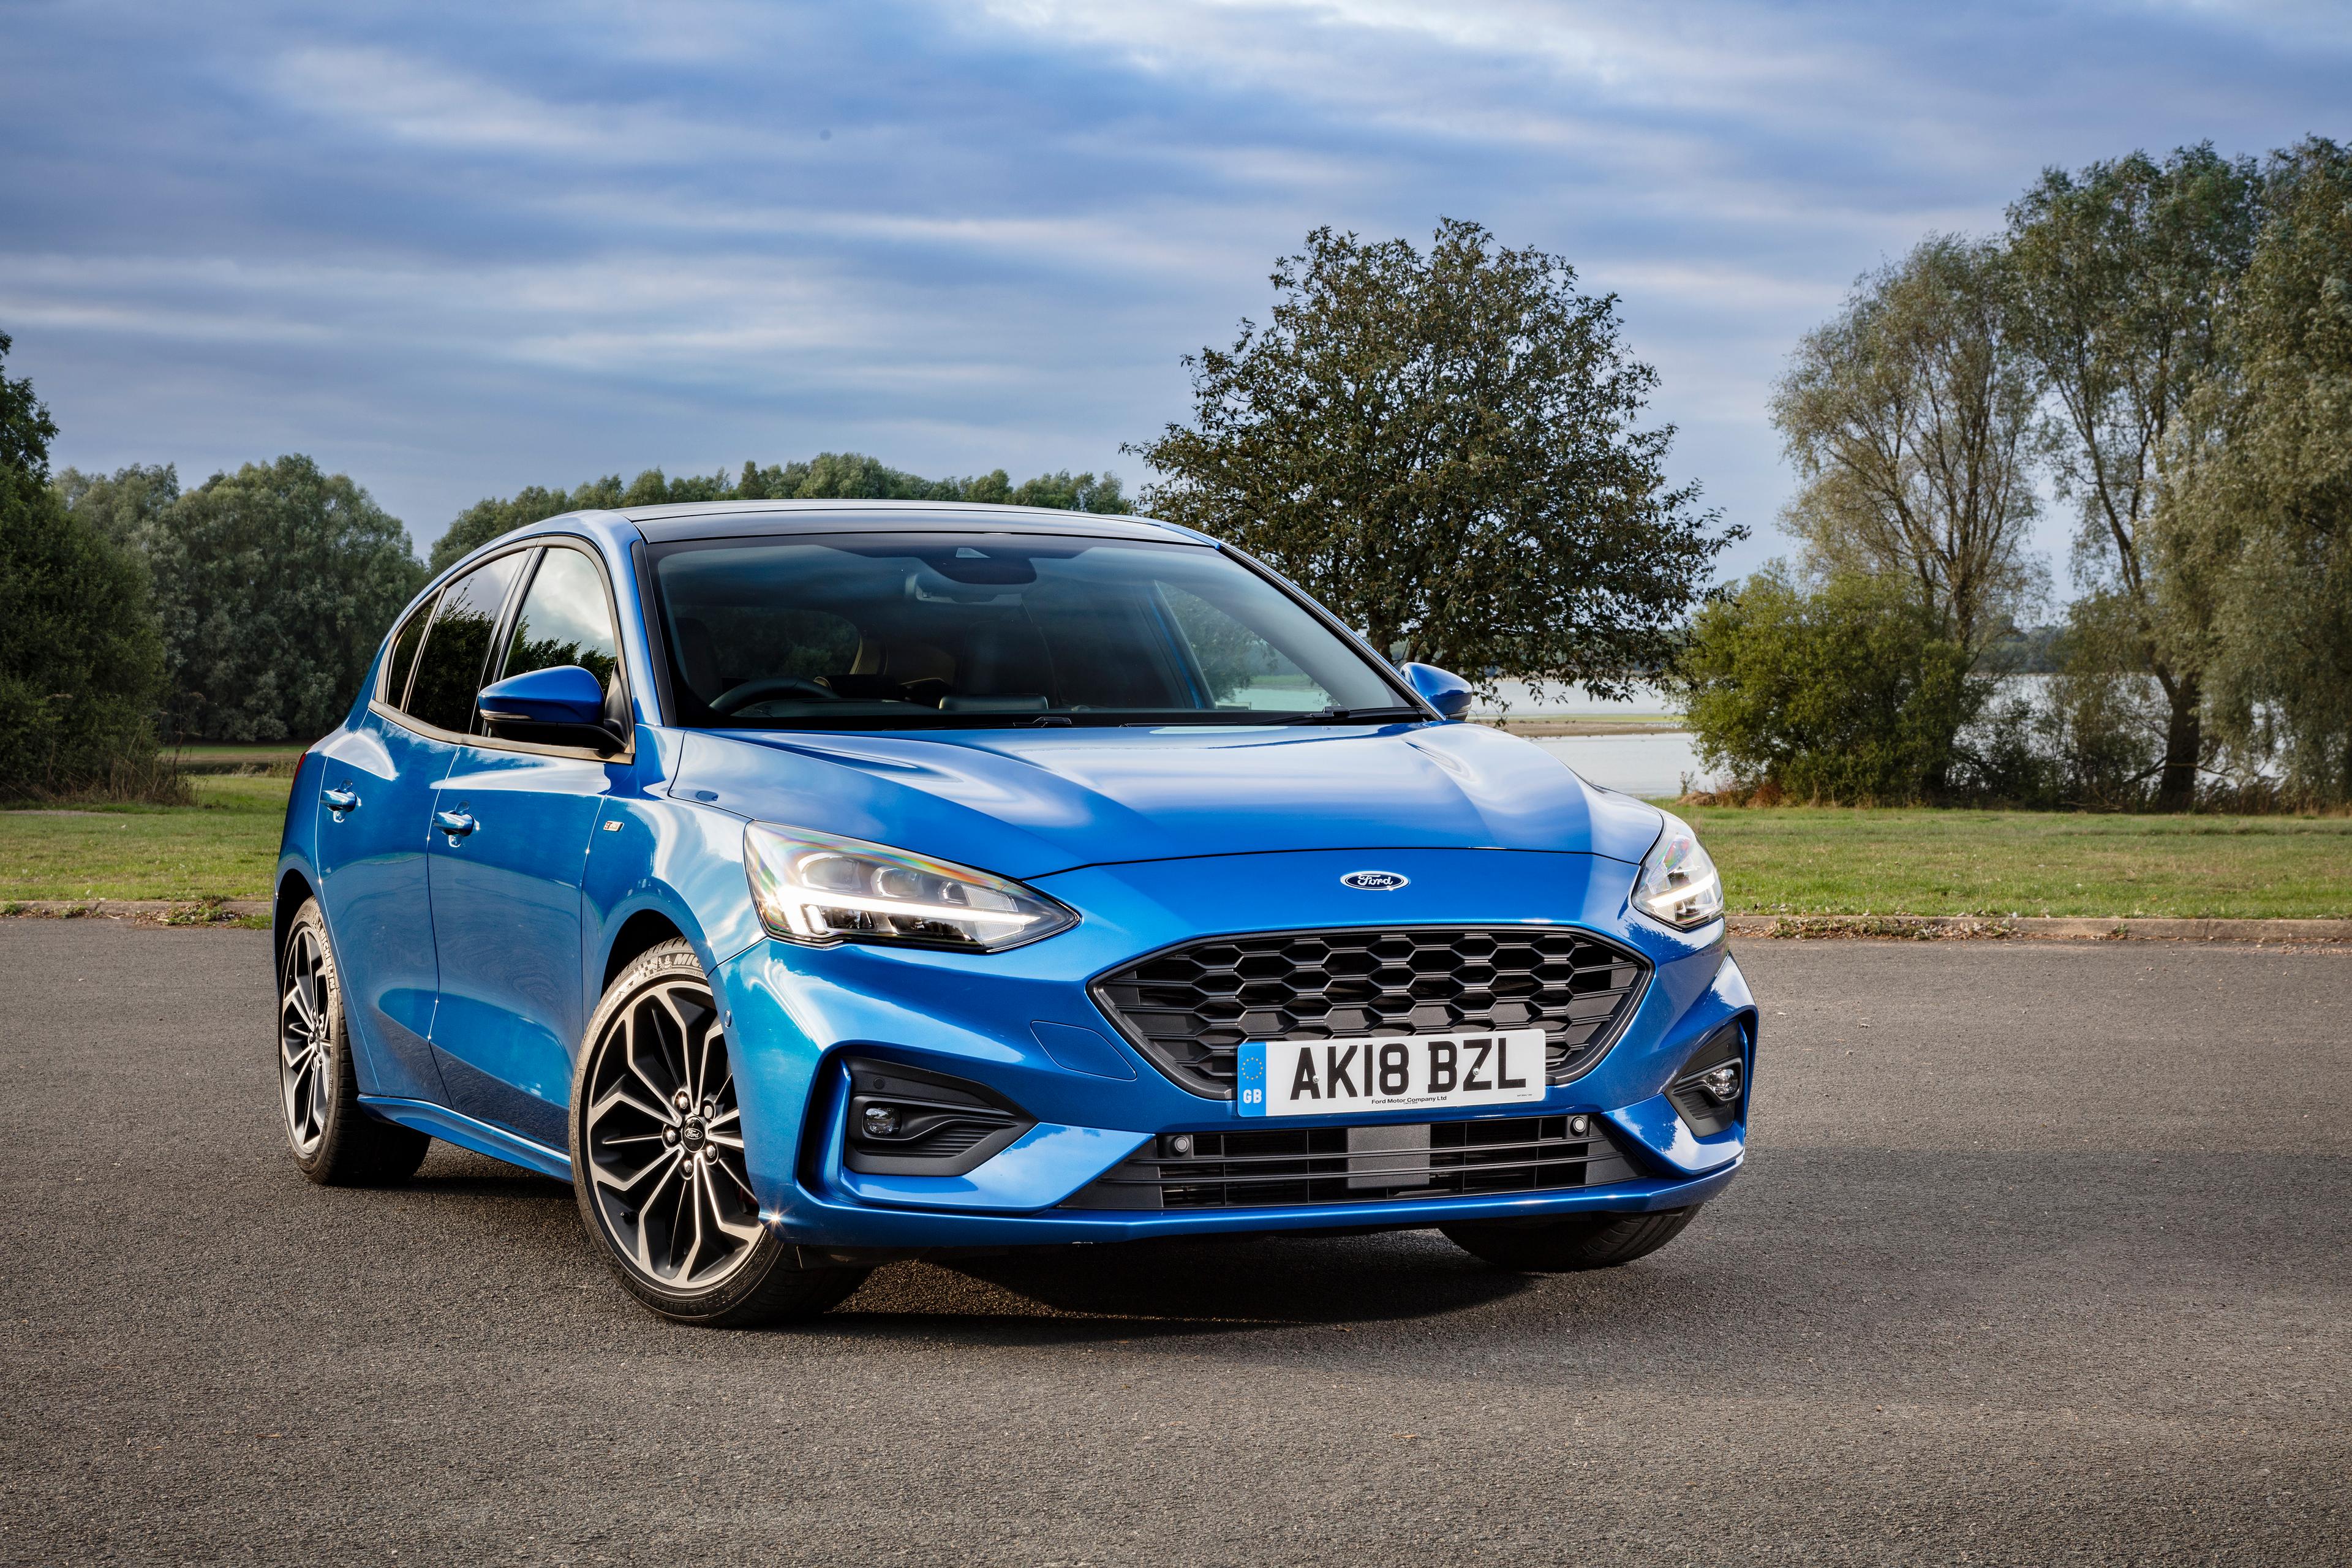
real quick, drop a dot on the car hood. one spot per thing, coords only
(1025, 803)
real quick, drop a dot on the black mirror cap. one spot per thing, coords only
(599, 738)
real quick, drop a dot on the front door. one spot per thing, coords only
(510, 850)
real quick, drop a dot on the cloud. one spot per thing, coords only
(457, 248)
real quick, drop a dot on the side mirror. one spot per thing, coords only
(1446, 692)
(567, 703)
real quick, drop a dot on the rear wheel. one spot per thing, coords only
(1563, 1246)
(334, 1141)
(658, 1158)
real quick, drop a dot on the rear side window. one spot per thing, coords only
(565, 619)
(450, 672)
(403, 653)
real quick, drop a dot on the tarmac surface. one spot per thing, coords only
(2043, 1254)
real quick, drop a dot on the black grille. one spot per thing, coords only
(1298, 1167)
(1189, 1008)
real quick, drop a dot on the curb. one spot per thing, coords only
(246, 912)
(2042, 928)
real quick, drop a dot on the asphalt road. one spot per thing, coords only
(2043, 1255)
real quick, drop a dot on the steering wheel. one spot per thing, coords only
(737, 697)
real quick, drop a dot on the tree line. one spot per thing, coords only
(1451, 447)
(2168, 346)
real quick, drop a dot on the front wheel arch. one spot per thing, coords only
(649, 1090)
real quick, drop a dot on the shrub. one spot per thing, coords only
(1844, 693)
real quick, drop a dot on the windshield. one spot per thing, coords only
(897, 631)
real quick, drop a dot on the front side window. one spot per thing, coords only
(565, 619)
(449, 672)
(924, 630)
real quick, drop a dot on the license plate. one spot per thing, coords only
(1390, 1072)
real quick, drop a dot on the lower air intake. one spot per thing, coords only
(1303, 1167)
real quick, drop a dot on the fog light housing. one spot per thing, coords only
(1710, 1093)
(910, 1122)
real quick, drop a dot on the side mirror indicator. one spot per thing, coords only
(1442, 690)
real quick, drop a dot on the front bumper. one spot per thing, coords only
(793, 1011)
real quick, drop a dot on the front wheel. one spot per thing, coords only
(1564, 1245)
(658, 1158)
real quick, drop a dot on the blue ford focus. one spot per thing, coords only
(814, 884)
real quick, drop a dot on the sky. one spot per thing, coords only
(456, 249)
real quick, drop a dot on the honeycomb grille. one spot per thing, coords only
(1189, 1008)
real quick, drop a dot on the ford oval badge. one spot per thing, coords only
(1375, 881)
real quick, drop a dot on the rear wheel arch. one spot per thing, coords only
(294, 890)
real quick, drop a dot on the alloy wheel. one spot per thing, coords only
(305, 1046)
(663, 1140)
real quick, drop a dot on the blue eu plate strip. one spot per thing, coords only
(1249, 1078)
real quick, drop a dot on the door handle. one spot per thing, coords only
(340, 801)
(456, 824)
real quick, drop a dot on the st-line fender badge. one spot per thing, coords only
(1375, 881)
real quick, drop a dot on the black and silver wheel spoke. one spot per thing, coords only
(663, 1138)
(305, 1043)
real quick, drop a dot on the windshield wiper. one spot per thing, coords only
(1349, 716)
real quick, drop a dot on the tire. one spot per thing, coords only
(333, 1141)
(657, 1159)
(1565, 1245)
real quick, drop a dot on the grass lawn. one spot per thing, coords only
(225, 845)
(1775, 860)
(1829, 860)
(227, 757)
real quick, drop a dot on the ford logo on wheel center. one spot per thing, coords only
(1375, 881)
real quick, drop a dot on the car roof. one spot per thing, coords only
(731, 518)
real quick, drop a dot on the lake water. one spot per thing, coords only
(1638, 764)
(1514, 699)
(1645, 765)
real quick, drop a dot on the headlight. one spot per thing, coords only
(814, 888)
(1679, 883)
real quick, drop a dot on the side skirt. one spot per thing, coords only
(440, 1121)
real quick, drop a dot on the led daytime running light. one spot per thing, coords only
(816, 889)
(1679, 884)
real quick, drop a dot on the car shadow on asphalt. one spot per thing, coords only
(1159, 1289)
(1122, 1290)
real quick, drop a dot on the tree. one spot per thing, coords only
(1851, 692)
(489, 518)
(2253, 525)
(2121, 276)
(1910, 419)
(1447, 450)
(830, 476)
(80, 668)
(123, 505)
(273, 588)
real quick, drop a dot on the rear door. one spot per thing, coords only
(375, 809)
(506, 887)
